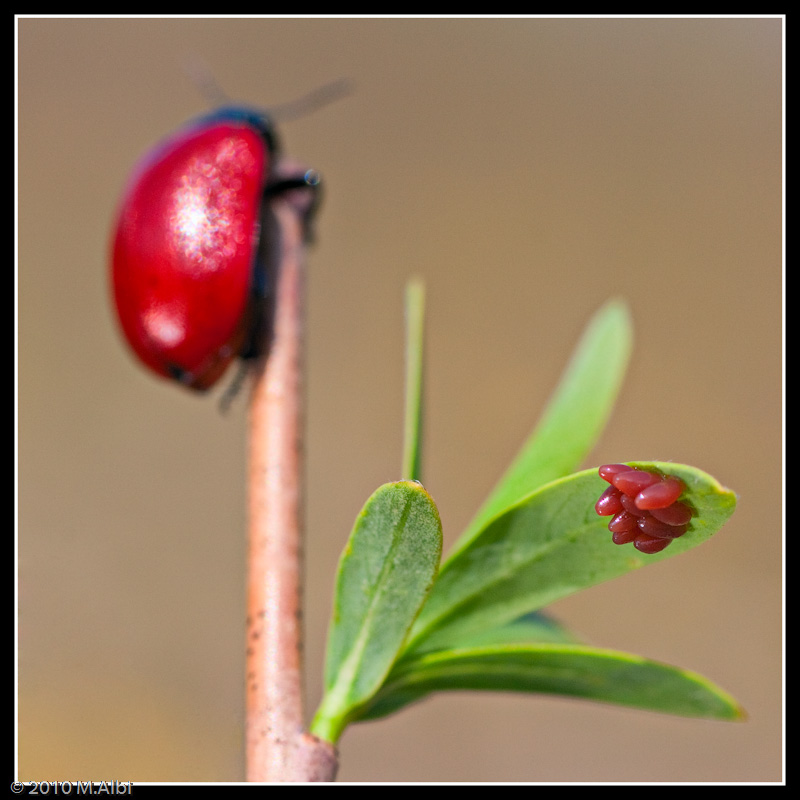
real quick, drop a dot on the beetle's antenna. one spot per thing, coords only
(315, 99)
(203, 78)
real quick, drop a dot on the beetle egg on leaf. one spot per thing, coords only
(644, 507)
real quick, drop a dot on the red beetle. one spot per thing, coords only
(186, 270)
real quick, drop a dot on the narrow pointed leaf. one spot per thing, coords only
(574, 418)
(415, 332)
(533, 628)
(384, 576)
(400, 687)
(549, 545)
(555, 668)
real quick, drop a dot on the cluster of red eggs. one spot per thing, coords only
(644, 507)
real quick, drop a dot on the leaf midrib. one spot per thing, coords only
(349, 666)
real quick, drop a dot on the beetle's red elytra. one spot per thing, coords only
(185, 245)
(188, 272)
(643, 506)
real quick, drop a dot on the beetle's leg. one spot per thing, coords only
(310, 179)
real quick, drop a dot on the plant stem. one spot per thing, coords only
(415, 334)
(277, 746)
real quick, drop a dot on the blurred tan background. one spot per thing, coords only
(528, 170)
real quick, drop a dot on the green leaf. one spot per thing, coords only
(534, 627)
(384, 576)
(556, 668)
(415, 331)
(545, 547)
(573, 420)
(399, 688)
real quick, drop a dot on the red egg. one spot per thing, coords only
(650, 545)
(624, 537)
(660, 530)
(676, 514)
(624, 521)
(660, 494)
(608, 502)
(634, 481)
(607, 471)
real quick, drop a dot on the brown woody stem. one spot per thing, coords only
(277, 746)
